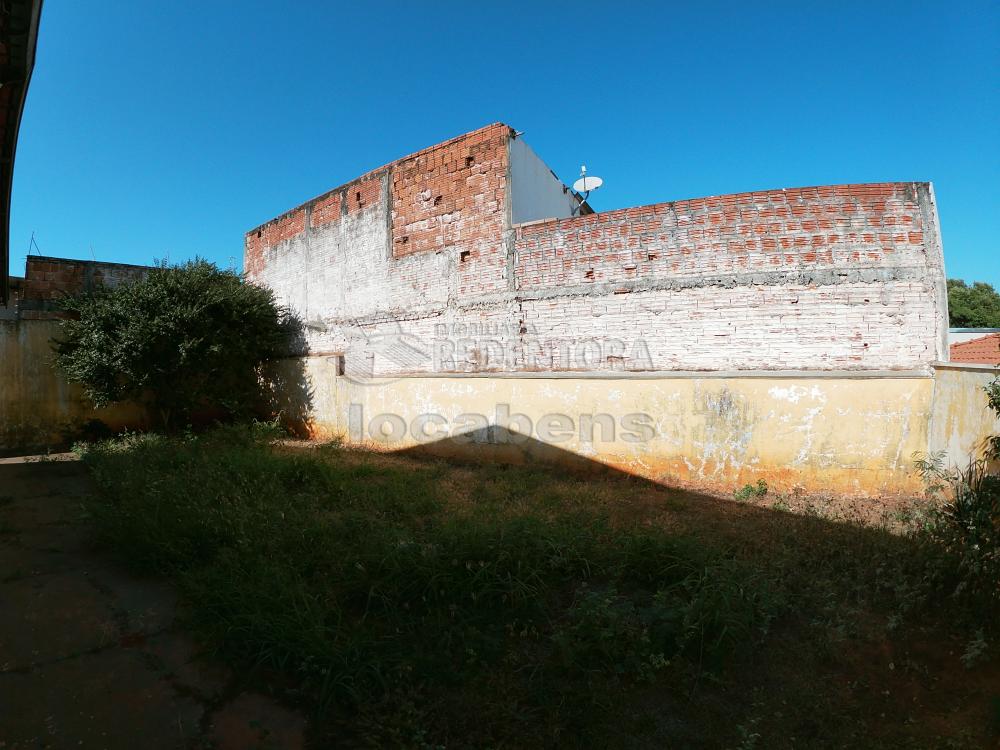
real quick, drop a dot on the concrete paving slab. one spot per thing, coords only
(47, 618)
(104, 700)
(90, 655)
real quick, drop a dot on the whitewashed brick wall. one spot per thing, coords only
(832, 278)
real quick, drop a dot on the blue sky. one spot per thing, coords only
(168, 129)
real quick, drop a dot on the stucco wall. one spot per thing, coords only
(39, 409)
(819, 433)
(536, 192)
(960, 420)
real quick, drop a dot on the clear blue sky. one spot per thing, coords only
(168, 129)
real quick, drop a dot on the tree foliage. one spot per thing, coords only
(976, 306)
(185, 339)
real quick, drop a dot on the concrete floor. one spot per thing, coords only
(89, 654)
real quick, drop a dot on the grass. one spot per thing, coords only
(413, 603)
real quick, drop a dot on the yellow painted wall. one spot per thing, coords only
(817, 433)
(39, 409)
(820, 433)
(961, 421)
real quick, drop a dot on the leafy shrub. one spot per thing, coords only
(185, 338)
(967, 525)
(993, 399)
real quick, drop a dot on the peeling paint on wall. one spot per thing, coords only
(961, 420)
(38, 408)
(829, 434)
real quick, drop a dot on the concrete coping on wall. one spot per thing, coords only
(966, 366)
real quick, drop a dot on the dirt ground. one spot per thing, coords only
(90, 656)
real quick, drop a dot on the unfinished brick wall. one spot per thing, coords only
(827, 277)
(843, 277)
(47, 279)
(416, 235)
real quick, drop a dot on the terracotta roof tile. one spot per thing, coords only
(983, 351)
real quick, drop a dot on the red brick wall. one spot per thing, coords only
(326, 209)
(449, 196)
(47, 279)
(847, 276)
(452, 194)
(856, 226)
(283, 228)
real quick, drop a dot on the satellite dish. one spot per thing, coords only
(586, 183)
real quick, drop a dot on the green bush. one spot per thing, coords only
(184, 339)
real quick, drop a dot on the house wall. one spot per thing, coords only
(536, 192)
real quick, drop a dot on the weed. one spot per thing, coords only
(418, 605)
(976, 651)
(750, 491)
(748, 737)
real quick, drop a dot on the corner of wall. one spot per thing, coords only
(935, 260)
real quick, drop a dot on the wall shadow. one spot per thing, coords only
(743, 522)
(285, 390)
(499, 445)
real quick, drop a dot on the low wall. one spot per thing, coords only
(961, 421)
(815, 432)
(818, 432)
(39, 409)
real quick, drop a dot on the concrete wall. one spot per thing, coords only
(536, 192)
(960, 421)
(815, 432)
(39, 409)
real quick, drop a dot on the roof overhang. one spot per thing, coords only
(18, 38)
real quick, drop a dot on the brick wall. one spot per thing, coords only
(47, 279)
(829, 277)
(419, 256)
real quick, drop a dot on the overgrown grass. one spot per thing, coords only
(417, 604)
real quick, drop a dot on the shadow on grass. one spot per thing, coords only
(418, 602)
